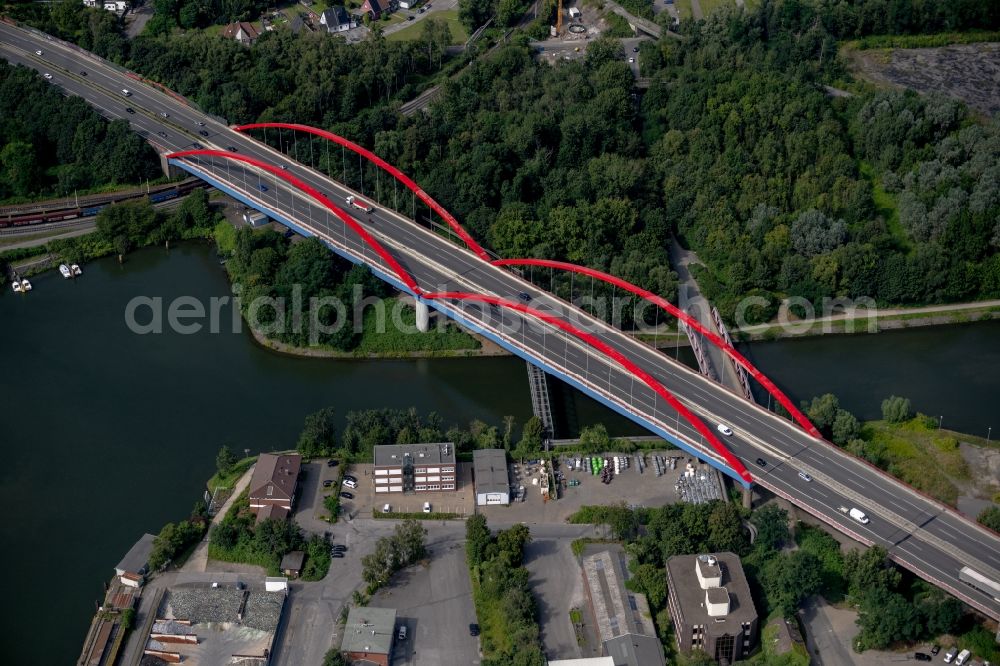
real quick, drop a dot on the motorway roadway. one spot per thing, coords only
(919, 533)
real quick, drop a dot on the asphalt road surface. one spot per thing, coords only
(919, 533)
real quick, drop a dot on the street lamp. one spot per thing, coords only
(988, 431)
(940, 421)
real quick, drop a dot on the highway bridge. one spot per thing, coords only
(464, 283)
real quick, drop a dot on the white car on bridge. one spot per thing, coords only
(724, 429)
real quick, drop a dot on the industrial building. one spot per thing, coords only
(368, 635)
(489, 469)
(414, 468)
(712, 610)
(622, 617)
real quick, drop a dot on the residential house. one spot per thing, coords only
(272, 486)
(242, 32)
(336, 19)
(375, 8)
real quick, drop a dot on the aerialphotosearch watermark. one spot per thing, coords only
(317, 318)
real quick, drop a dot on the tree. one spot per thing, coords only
(822, 411)
(409, 540)
(477, 539)
(771, 522)
(886, 617)
(225, 460)
(531, 438)
(845, 427)
(319, 432)
(869, 570)
(990, 517)
(474, 13)
(896, 409)
(511, 543)
(787, 579)
(333, 657)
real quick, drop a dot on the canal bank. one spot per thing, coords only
(109, 434)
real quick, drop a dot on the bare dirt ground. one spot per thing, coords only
(968, 72)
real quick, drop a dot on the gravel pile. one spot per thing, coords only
(263, 610)
(204, 604)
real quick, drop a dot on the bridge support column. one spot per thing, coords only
(169, 170)
(423, 316)
(747, 497)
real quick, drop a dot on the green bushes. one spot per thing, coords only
(504, 605)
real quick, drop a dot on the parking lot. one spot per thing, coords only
(434, 601)
(630, 486)
(461, 501)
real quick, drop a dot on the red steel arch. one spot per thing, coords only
(737, 357)
(617, 356)
(393, 171)
(373, 243)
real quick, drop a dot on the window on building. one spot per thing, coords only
(270, 490)
(724, 648)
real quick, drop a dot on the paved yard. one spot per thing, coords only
(631, 487)
(434, 601)
(557, 586)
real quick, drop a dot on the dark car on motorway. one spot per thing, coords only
(761, 462)
(129, 109)
(203, 133)
(524, 296)
(197, 146)
(231, 149)
(162, 135)
(83, 72)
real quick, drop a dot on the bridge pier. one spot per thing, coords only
(169, 170)
(423, 316)
(747, 497)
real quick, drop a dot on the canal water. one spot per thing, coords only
(106, 434)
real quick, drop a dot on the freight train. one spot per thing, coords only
(12, 217)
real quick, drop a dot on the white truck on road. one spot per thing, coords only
(360, 204)
(856, 514)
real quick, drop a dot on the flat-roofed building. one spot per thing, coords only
(414, 468)
(489, 470)
(712, 610)
(622, 617)
(368, 635)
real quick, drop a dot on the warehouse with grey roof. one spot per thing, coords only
(489, 469)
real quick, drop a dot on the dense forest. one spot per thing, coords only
(737, 149)
(52, 146)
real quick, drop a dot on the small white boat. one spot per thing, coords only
(76, 269)
(16, 286)
(66, 272)
(25, 285)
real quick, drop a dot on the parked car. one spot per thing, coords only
(386, 508)
(350, 484)
(427, 507)
(950, 655)
(346, 495)
(402, 633)
(328, 483)
(935, 649)
(921, 656)
(409, 18)
(337, 554)
(340, 547)
(332, 462)
(473, 629)
(350, 477)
